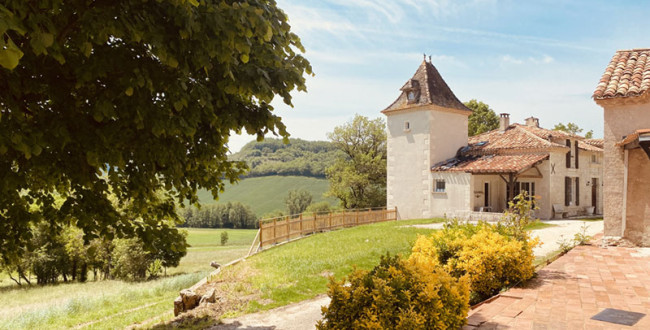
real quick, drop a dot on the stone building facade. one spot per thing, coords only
(434, 169)
(623, 94)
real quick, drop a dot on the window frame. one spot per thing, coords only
(437, 189)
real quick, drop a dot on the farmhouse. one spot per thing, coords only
(434, 169)
(623, 94)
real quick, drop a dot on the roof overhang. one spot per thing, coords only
(638, 139)
(492, 164)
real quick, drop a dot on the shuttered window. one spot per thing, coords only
(577, 191)
(576, 152)
(567, 191)
(568, 154)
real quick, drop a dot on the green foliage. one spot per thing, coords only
(130, 260)
(572, 128)
(297, 201)
(224, 238)
(358, 179)
(228, 215)
(298, 157)
(483, 119)
(397, 294)
(319, 208)
(135, 99)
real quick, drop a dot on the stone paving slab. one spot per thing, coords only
(570, 291)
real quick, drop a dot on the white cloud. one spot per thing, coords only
(508, 59)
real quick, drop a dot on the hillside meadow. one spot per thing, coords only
(116, 304)
(267, 194)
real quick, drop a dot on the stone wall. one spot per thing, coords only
(621, 119)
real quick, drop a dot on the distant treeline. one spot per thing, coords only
(228, 215)
(299, 157)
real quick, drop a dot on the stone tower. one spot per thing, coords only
(426, 124)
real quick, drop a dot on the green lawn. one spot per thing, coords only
(298, 270)
(116, 304)
(535, 225)
(267, 194)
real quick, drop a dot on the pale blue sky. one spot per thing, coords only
(541, 58)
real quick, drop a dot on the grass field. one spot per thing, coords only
(299, 270)
(267, 194)
(116, 304)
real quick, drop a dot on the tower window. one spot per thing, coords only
(407, 126)
(439, 186)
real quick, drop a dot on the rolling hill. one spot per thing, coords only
(267, 194)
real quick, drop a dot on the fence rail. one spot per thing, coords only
(282, 229)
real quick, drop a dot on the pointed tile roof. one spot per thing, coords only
(627, 75)
(432, 90)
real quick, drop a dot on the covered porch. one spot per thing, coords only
(496, 179)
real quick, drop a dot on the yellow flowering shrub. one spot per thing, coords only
(397, 294)
(490, 259)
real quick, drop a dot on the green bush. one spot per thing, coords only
(224, 237)
(397, 294)
(323, 207)
(130, 260)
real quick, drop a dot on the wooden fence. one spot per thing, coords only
(282, 229)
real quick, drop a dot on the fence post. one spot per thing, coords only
(330, 220)
(261, 234)
(300, 224)
(356, 217)
(275, 240)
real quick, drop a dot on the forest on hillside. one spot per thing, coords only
(299, 157)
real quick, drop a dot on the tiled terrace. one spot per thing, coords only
(572, 289)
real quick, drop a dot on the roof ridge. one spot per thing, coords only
(549, 143)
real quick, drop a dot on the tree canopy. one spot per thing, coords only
(572, 129)
(358, 177)
(298, 157)
(483, 119)
(124, 108)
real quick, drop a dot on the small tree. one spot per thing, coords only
(483, 119)
(358, 177)
(572, 128)
(297, 201)
(224, 237)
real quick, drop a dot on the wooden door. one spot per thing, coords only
(594, 194)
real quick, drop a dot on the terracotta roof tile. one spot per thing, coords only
(589, 147)
(494, 164)
(627, 75)
(516, 137)
(599, 143)
(632, 137)
(433, 90)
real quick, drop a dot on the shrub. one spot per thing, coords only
(323, 207)
(397, 294)
(224, 237)
(491, 259)
(131, 261)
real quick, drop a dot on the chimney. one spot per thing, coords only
(504, 121)
(532, 121)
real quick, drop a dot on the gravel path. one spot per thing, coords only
(305, 314)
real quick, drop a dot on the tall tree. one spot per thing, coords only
(132, 98)
(483, 119)
(358, 179)
(297, 200)
(572, 129)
